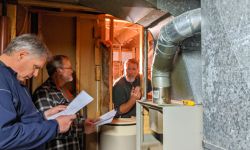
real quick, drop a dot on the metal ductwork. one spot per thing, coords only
(180, 28)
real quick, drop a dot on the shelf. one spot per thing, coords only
(179, 123)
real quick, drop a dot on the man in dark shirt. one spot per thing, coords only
(22, 126)
(127, 90)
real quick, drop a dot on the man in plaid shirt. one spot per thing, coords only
(51, 94)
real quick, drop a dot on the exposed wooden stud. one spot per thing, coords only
(141, 30)
(78, 58)
(111, 66)
(11, 12)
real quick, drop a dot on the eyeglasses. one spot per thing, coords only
(67, 68)
(36, 67)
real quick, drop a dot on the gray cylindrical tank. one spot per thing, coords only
(119, 135)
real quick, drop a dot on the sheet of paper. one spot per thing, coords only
(106, 118)
(81, 100)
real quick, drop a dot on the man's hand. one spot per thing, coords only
(89, 125)
(64, 122)
(54, 110)
(136, 93)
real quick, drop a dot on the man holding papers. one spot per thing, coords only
(22, 127)
(50, 94)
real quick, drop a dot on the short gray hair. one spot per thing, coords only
(28, 42)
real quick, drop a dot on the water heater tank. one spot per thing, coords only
(119, 135)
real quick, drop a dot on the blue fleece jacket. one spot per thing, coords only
(22, 126)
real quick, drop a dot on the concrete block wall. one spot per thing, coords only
(225, 74)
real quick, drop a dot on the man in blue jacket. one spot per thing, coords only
(22, 126)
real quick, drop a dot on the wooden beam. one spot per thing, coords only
(65, 14)
(60, 5)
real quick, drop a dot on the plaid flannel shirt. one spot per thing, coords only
(48, 96)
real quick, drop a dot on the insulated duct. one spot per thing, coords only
(180, 28)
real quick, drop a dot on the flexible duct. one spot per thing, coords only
(180, 28)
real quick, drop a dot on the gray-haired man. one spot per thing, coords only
(22, 126)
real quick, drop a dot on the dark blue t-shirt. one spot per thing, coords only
(22, 126)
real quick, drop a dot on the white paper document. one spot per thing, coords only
(81, 100)
(106, 118)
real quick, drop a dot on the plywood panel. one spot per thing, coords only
(59, 35)
(86, 61)
(58, 32)
(86, 70)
